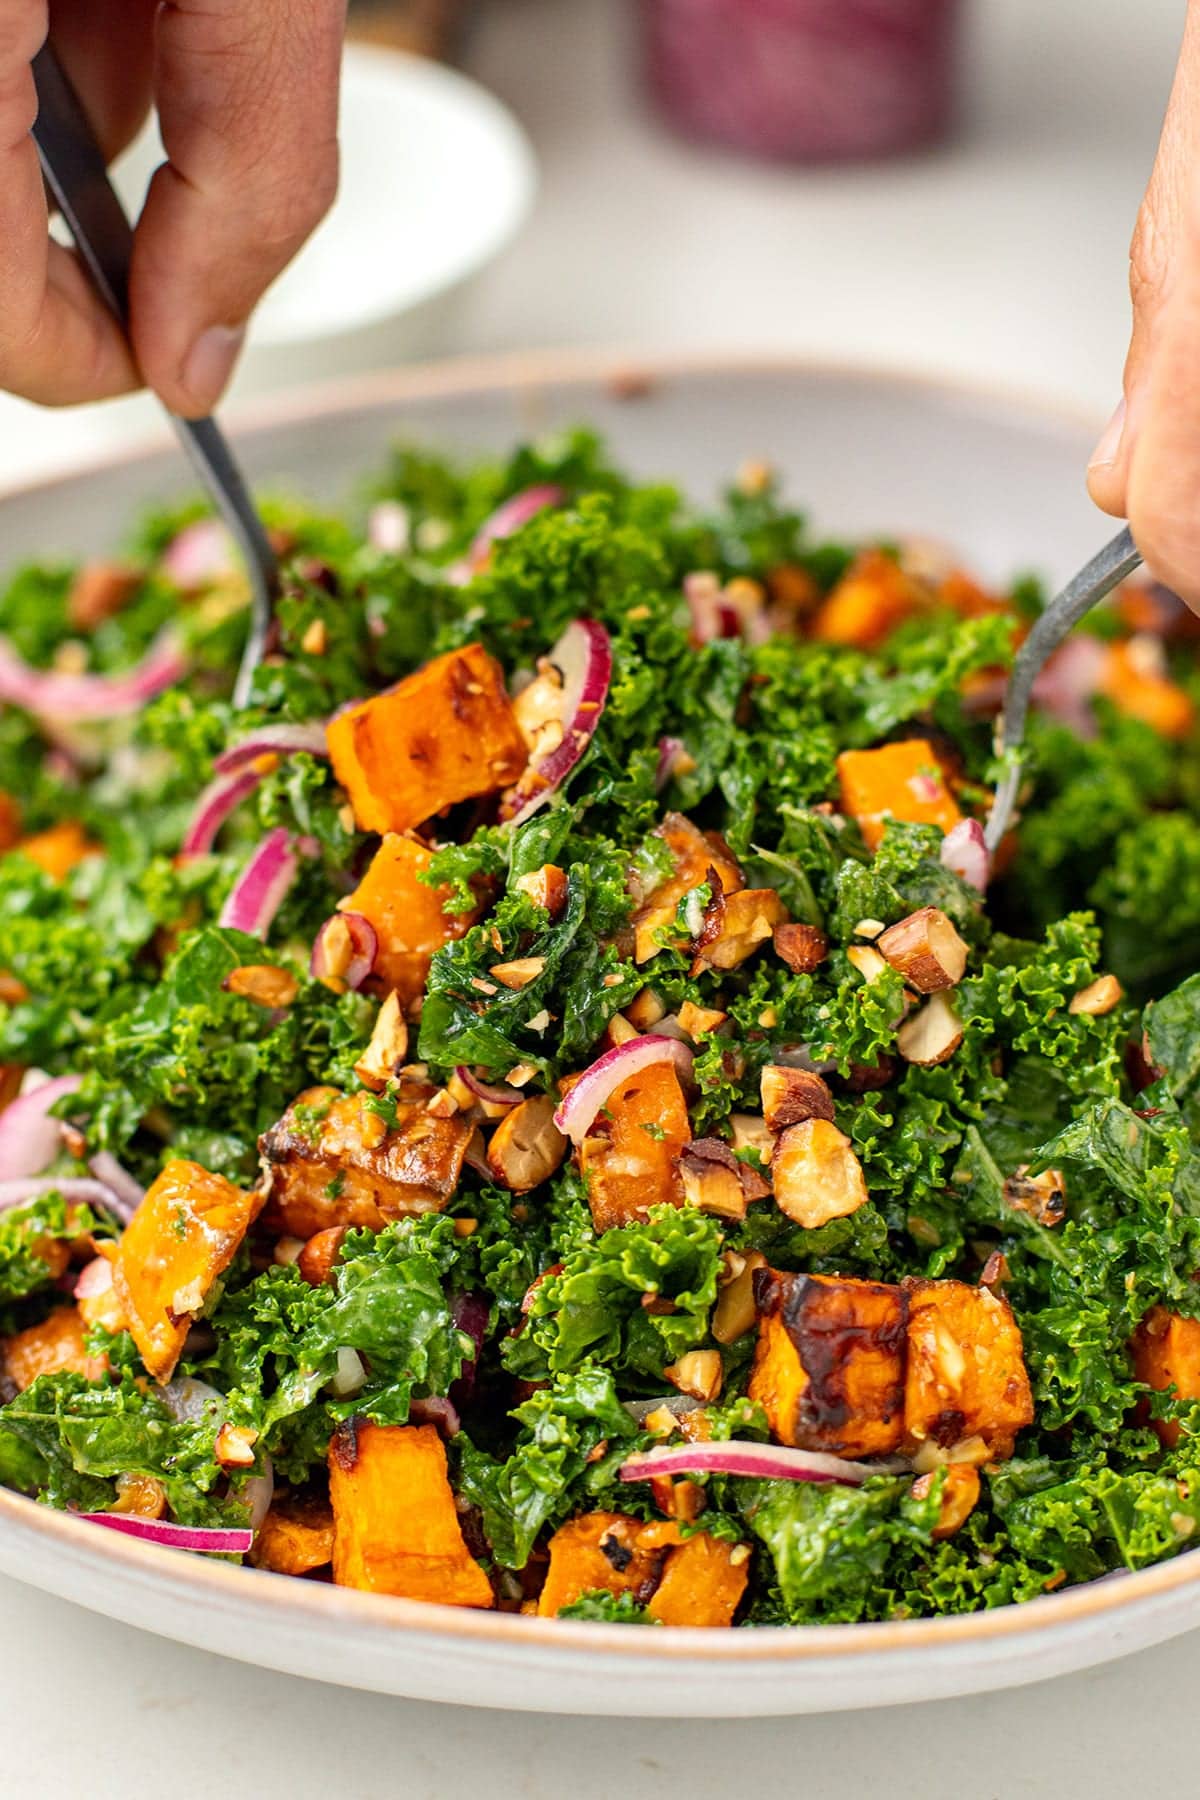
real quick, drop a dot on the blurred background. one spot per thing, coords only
(945, 185)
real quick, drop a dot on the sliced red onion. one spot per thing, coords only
(965, 853)
(712, 615)
(116, 1177)
(325, 963)
(437, 1410)
(191, 1401)
(274, 740)
(95, 1278)
(52, 693)
(768, 1462)
(508, 517)
(1068, 683)
(223, 795)
(29, 1137)
(576, 1114)
(496, 1093)
(670, 749)
(199, 554)
(799, 1056)
(583, 655)
(71, 1187)
(389, 527)
(208, 1540)
(263, 884)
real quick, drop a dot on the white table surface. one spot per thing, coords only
(1002, 257)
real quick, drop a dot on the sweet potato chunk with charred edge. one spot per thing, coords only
(966, 1369)
(829, 1368)
(295, 1537)
(43, 1349)
(693, 1581)
(1166, 1353)
(395, 1525)
(630, 1159)
(335, 1160)
(406, 914)
(443, 734)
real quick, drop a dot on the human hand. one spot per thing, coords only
(247, 94)
(1146, 467)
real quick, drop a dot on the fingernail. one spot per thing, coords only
(1105, 453)
(209, 363)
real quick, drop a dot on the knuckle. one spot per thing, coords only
(23, 29)
(1148, 258)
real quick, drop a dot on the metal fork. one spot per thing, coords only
(1097, 578)
(75, 173)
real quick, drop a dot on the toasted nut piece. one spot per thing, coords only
(698, 1373)
(546, 887)
(338, 951)
(527, 1146)
(1098, 998)
(678, 1499)
(319, 1255)
(931, 1035)
(234, 1448)
(262, 983)
(752, 1133)
(287, 1251)
(870, 928)
(995, 1273)
(1042, 1196)
(99, 591)
(931, 1455)
(619, 1031)
(645, 1010)
(143, 1495)
(802, 947)
(816, 1175)
(866, 960)
(790, 1095)
(735, 925)
(700, 1021)
(959, 1495)
(712, 1179)
(869, 1078)
(463, 1097)
(734, 1314)
(315, 641)
(521, 1074)
(520, 973)
(384, 1056)
(926, 949)
(442, 1104)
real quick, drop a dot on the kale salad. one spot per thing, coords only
(552, 1107)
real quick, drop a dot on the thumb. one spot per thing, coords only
(247, 99)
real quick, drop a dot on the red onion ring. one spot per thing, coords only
(273, 740)
(263, 884)
(965, 853)
(712, 615)
(199, 554)
(187, 1399)
(364, 944)
(95, 1278)
(670, 749)
(496, 1093)
(207, 1540)
(71, 1187)
(223, 795)
(508, 517)
(117, 1179)
(768, 1462)
(437, 1410)
(29, 1137)
(584, 655)
(577, 1112)
(49, 692)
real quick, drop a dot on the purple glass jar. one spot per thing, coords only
(805, 80)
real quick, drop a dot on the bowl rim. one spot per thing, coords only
(308, 1604)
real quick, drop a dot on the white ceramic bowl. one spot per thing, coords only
(437, 177)
(995, 474)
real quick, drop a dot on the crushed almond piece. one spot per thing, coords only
(802, 947)
(926, 949)
(931, 1035)
(1042, 1196)
(816, 1174)
(315, 641)
(546, 887)
(442, 1105)
(870, 928)
(234, 1448)
(699, 1373)
(791, 1095)
(645, 1010)
(262, 983)
(700, 1021)
(520, 1074)
(520, 973)
(384, 1055)
(867, 961)
(735, 1314)
(1099, 997)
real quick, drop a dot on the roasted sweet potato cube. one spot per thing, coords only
(697, 1581)
(57, 850)
(295, 1537)
(966, 1368)
(10, 821)
(1134, 678)
(335, 1160)
(395, 1525)
(1166, 1353)
(630, 1160)
(56, 1343)
(872, 598)
(694, 854)
(897, 781)
(829, 1367)
(407, 915)
(444, 734)
(182, 1237)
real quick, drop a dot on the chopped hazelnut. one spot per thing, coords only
(1098, 998)
(234, 1447)
(645, 1010)
(442, 1104)
(802, 947)
(1042, 1196)
(546, 887)
(931, 1035)
(700, 1021)
(734, 1314)
(752, 1133)
(318, 1257)
(520, 973)
(790, 1095)
(527, 1147)
(816, 1174)
(926, 949)
(385, 1053)
(712, 1179)
(866, 960)
(315, 641)
(960, 1491)
(698, 1372)
(262, 983)
(734, 926)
